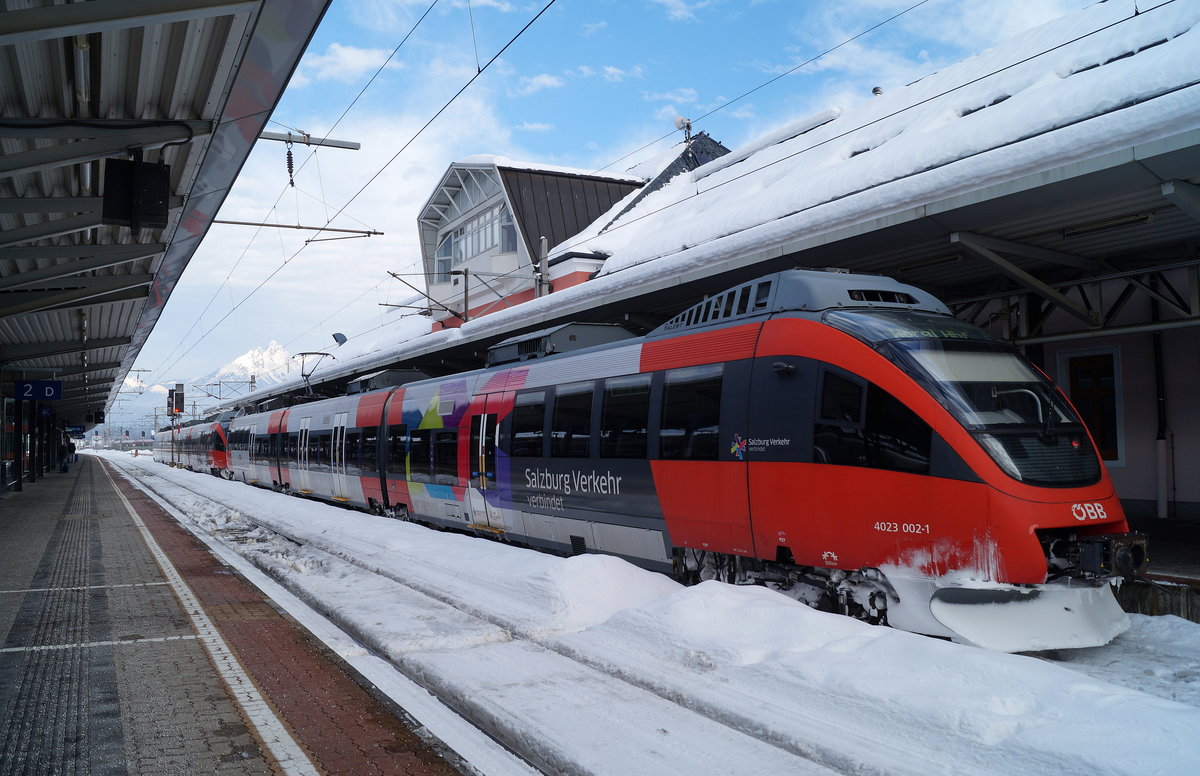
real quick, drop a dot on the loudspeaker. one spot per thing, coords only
(136, 194)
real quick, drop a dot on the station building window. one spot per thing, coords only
(491, 230)
(1094, 388)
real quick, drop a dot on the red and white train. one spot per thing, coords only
(200, 447)
(841, 437)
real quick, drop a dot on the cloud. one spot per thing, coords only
(533, 126)
(341, 63)
(538, 83)
(610, 73)
(616, 74)
(683, 10)
(591, 29)
(685, 94)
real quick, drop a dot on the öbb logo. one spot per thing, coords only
(1088, 512)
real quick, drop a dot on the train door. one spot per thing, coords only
(337, 457)
(485, 427)
(280, 454)
(251, 463)
(303, 481)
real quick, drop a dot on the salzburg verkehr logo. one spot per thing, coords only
(738, 447)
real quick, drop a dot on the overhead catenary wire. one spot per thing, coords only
(283, 192)
(371, 180)
(770, 81)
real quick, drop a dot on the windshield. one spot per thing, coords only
(985, 385)
(1015, 413)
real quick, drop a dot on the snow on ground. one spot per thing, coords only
(707, 679)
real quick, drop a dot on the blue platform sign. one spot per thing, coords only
(39, 390)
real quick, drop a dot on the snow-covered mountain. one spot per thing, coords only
(142, 404)
(267, 365)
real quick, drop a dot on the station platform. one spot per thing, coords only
(126, 647)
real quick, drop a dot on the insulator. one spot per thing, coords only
(290, 166)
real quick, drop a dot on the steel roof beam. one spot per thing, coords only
(57, 372)
(113, 289)
(44, 276)
(51, 204)
(54, 228)
(103, 282)
(63, 21)
(27, 205)
(1183, 195)
(64, 154)
(75, 129)
(24, 352)
(1029, 281)
(1029, 251)
(99, 384)
(118, 254)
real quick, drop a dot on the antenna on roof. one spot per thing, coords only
(684, 125)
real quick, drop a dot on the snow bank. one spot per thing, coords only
(811, 682)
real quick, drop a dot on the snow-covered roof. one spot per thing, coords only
(1098, 80)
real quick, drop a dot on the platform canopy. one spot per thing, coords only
(123, 126)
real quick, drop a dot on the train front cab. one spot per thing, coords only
(948, 463)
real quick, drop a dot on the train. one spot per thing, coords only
(840, 437)
(199, 446)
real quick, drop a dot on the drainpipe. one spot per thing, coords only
(1162, 495)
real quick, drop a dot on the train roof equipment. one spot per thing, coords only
(559, 339)
(385, 378)
(802, 290)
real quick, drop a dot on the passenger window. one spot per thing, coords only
(419, 445)
(624, 417)
(841, 399)
(897, 439)
(370, 450)
(691, 416)
(445, 457)
(353, 452)
(571, 426)
(528, 424)
(397, 449)
(861, 424)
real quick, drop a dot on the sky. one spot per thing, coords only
(590, 85)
